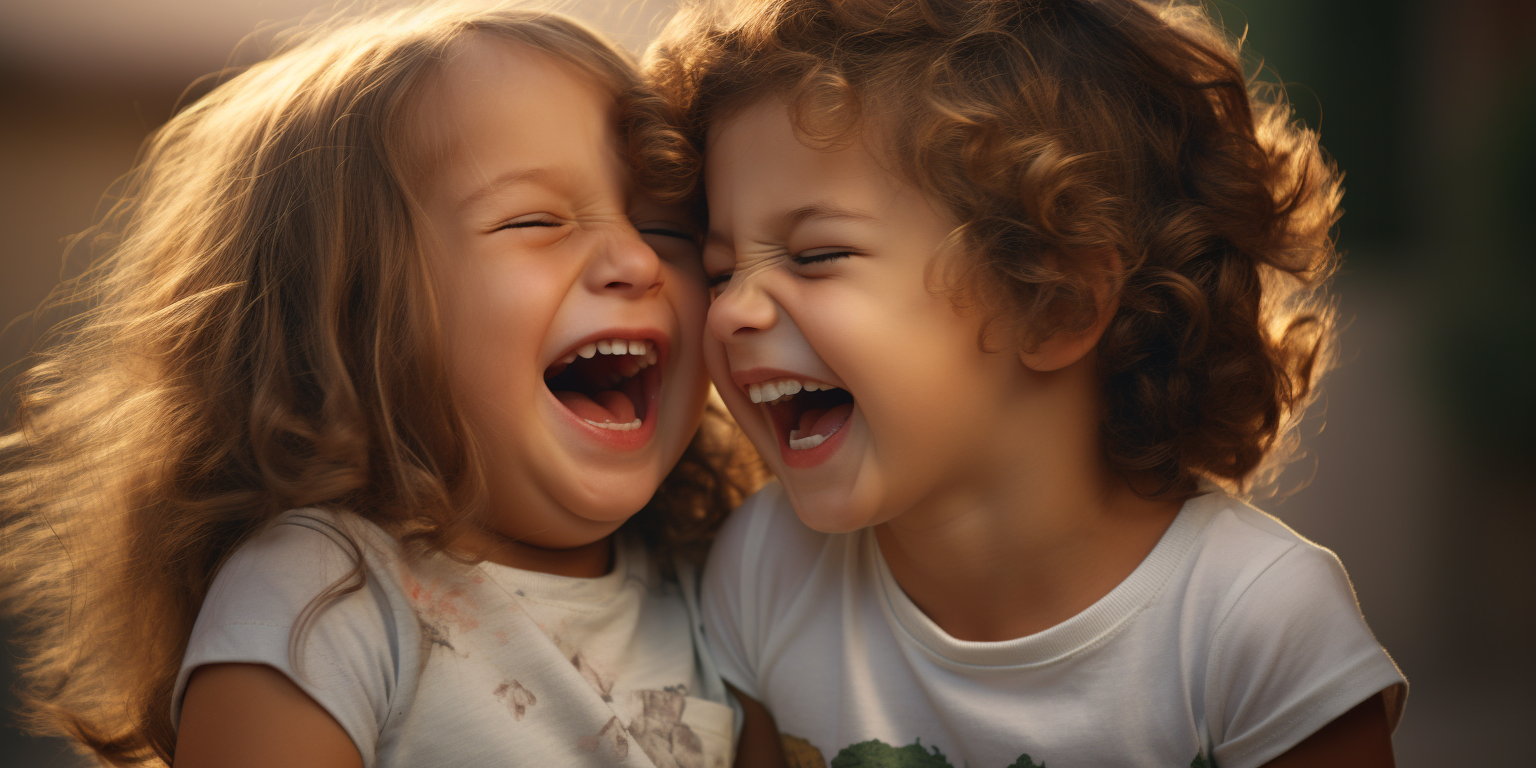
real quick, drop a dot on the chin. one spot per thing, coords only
(833, 509)
(614, 499)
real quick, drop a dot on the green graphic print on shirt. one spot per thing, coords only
(799, 753)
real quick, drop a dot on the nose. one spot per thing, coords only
(625, 265)
(743, 309)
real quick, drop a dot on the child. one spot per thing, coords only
(343, 465)
(1003, 291)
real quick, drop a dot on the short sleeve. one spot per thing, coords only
(346, 661)
(1292, 654)
(729, 603)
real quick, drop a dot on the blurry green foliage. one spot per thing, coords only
(878, 754)
(1486, 350)
(1345, 67)
(1443, 216)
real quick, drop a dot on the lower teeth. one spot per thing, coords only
(615, 426)
(806, 443)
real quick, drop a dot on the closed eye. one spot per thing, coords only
(666, 232)
(528, 222)
(820, 255)
(671, 240)
(716, 284)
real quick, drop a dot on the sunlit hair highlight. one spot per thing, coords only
(1058, 133)
(259, 335)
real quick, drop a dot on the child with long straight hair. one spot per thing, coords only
(378, 440)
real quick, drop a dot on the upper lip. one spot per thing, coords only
(653, 335)
(752, 376)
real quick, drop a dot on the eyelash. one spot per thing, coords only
(725, 277)
(820, 257)
(677, 233)
(525, 224)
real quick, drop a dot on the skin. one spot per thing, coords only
(534, 225)
(980, 471)
(250, 716)
(536, 234)
(1360, 737)
(759, 746)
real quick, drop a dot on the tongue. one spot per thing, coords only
(823, 421)
(609, 405)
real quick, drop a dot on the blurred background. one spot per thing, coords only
(1418, 455)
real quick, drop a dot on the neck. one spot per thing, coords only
(1042, 526)
(586, 561)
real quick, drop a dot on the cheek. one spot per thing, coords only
(690, 305)
(495, 317)
(914, 365)
(736, 401)
(718, 321)
(719, 366)
(717, 361)
(690, 300)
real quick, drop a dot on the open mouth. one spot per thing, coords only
(805, 413)
(607, 383)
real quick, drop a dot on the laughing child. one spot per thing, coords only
(1014, 297)
(382, 429)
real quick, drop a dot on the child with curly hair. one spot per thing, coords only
(1017, 298)
(381, 429)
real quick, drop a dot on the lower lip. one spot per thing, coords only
(811, 457)
(621, 440)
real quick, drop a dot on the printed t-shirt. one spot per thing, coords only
(433, 662)
(1233, 641)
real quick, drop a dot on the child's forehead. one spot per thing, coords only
(757, 159)
(494, 98)
(484, 68)
(811, 123)
(765, 130)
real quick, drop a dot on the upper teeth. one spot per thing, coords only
(769, 391)
(643, 348)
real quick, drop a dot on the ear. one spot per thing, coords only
(1063, 348)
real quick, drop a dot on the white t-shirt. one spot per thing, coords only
(435, 663)
(1233, 641)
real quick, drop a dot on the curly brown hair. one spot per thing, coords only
(1056, 128)
(261, 335)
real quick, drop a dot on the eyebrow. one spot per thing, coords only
(508, 179)
(823, 211)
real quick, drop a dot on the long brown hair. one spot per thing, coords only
(261, 334)
(1054, 128)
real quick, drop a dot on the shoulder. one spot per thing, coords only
(1247, 557)
(1288, 648)
(275, 576)
(303, 551)
(315, 532)
(316, 596)
(1273, 588)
